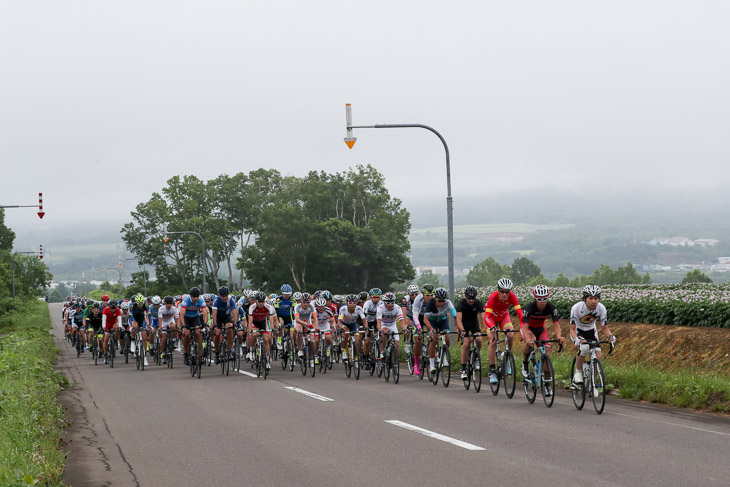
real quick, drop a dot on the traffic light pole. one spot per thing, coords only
(350, 141)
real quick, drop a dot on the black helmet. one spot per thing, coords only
(260, 296)
(440, 293)
(326, 294)
(470, 292)
(427, 289)
(194, 292)
(223, 291)
(112, 303)
(363, 296)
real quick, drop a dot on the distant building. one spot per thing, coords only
(706, 242)
(723, 260)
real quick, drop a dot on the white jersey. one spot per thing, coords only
(350, 318)
(370, 309)
(167, 316)
(389, 317)
(323, 319)
(585, 319)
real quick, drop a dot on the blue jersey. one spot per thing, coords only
(192, 309)
(223, 308)
(284, 307)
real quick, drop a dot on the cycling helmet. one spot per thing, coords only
(412, 289)
(273, 296)
(286, 289)
(96, 304)
(270, 301)
(541, 291)
(124, 305)
(351, 298)
(470, 292)
(306, 297)
(105, 297)
(316, 294)
(112, 303)
(90, 302)
(375, 292)
(168, 300)
(140, 298)
(297, 296)
(223, 291)
(591, 290)
(504, 283)
(427, 289)
(156, 300)
(337, 298)
(326, 295)
(363, 296)
(440, 293)
(320, 302)
(261, 296)
(194, 292)
(389, 298)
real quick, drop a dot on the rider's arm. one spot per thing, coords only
(103, 321)
(459, 324)
(607, 332)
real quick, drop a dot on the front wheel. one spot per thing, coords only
(395, 363)
(578, 391)
(509, 374)
(598, 381)
(303, 361)
(477, 372)
(529, 385)
(547, 381)
(445, 369)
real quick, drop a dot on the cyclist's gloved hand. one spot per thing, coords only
(613, 339)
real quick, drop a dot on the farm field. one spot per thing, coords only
(475, 235)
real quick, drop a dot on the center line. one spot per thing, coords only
(310, 394)
(438, 436)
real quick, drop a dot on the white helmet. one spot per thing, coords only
(505, 283)
(320, 302)
(156, 300)
(412, 289)
(541, 291)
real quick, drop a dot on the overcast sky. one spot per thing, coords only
(102, 102)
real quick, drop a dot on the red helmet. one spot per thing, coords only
(105, 297)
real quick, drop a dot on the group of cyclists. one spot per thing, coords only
(421, 312)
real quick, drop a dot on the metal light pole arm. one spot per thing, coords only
(449, 199)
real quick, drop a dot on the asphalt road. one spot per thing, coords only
(161, 427)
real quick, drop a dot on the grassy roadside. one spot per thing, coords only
(678, 366)
(31, 418)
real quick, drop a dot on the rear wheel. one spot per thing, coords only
(303, 362)
(284, 354)
(386, 365)
(578, 391)
(510, 379)
(547, 381)
(598, 381)
(395, 363)
(529, 385)
(310, 357)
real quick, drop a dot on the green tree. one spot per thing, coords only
(428, 277)
(524, 271)
(561, 281)
(696, 276)
(487, 273)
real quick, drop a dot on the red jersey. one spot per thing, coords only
(111, 316)
(495, 309)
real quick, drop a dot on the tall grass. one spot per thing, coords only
(31, 418)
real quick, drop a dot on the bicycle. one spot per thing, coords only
(94, 347)
(79, 342)
(126, 344)
(443, 367)
(261, 358)
(376, 365)
(337, 346)
(505, 366)
(111, 350)
(286, 351)
(139, 353)
(391, 358)
(473, 364)
(207, 346)
(155, 347)
(540, 366)
(324, 353)
(353, 356)
(195, 357)
(225, 354)
(169, 348)
(594, 379)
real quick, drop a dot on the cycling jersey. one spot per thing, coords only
(192, 308)
(496, 312)
(389, 317)
(438, 316)
(154, 311)
(348, 318)
(223, 309)
(323, 319)
(534, 318)
(78, 318)
(469, 314)
(370, 309)
(111, 314)
(407, 303)
(93, 320)
(167, 316)
(137, 312)
(585, 319)
(284, 307)
(259, 314)
(304, 313)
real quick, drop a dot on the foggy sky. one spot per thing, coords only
(102, 102)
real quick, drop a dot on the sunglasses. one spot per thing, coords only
(541, 300)
(503, 291)
(440, 300)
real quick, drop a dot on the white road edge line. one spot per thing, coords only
(248, 374)
(437, 436)
(310, 394)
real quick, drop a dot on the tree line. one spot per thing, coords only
(341, 231)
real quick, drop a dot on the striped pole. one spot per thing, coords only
(41, 213)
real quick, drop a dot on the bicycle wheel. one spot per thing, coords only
(310, 357)
(95, 351)
(395, 363)
(292, 355)
(477, 372)
(529, 385)
(356, 365)
(547, 381)
(469, 368)
(411, 361)
(304, 360)
(386, 365)
(284, 356)
(127, 346)
(330, 359)
(578, 391)
(259, 355)
(267, 365)
(222, 358)
(510, 380)
(199, 361)
(424, 367)
(598, 380)
(445, 369)
(350, 360)
(111, 353)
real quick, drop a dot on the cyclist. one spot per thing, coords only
(77, 324)
(111, 320)
(583, 318)
(496, 314)
(436, 318)
(388, 317)
(325, 322)
(258, 314)
(350, 318)
(468, 320)
(284, 306)
(533, 326)
(419, 309)
(192, 309)
(139, 320)
(169, 323)
(362, 298)
(225, 314)
(303, 320)
(370, 308)
(92, 323)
